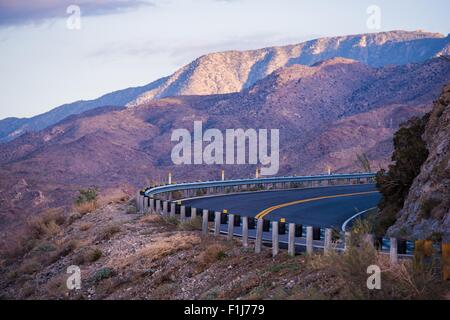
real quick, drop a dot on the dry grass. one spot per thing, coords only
(191, 224)
(56, 287)
(108, 232)
(87, 255)
(30, 266)
(113, 196)
(38, 228)
(151, 218)
(86, 207)
(160, 247)
(347, 272)
(163, 246)
(47, 224)
(212, 253)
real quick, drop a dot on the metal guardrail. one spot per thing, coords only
(255, 181)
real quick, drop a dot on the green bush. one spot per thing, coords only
(87, 195)
(409, 154)
(103, 273)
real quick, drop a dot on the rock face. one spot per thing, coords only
(426, 212)
(326, 113)
(232, 71)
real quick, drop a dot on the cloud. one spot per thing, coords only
(25, 11)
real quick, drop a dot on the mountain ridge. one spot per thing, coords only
(322, 122)
(233, 71)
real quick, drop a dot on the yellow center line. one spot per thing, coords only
(279, 206)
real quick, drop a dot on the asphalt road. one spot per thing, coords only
(321, 207)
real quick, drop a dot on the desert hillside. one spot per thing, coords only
(123, 255)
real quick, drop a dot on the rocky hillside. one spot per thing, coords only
(322, 113)
(426, 211)
(122, 255)
(232, 71)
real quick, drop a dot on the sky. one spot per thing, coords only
(51, 53)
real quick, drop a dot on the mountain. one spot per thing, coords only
(232, 71)
(327, 113)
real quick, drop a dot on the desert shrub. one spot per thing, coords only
(347, 272)
(16, 245)
(159, 248)
(409, 154)
(212, 253)
(365, 225)
(171, 221)
(87, 255)
(74, 216)
(87, 195)
(86, 200)
(107, 232)
(46, 225)
(30, 266)
(103, 273)
(44, 247)
(86, 207)
(152, 218)
(191, 224)
(56, 287)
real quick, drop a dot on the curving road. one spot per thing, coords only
(321, 206)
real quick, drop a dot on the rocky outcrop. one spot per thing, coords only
(426, 211)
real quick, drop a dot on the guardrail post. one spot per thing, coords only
(327, 241)
(230, 226)
(245, 232)
(205, 222)
(145, 201)
(347, 240)
(309, 240)
(152, 205)
(172, 209)
(217, 223)
(291, 243)
(275, 245)
(193, 213)
(182, 213)
(393, 256)
(259, 233)
(158, 206)
(165, 208)
(138, 201)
